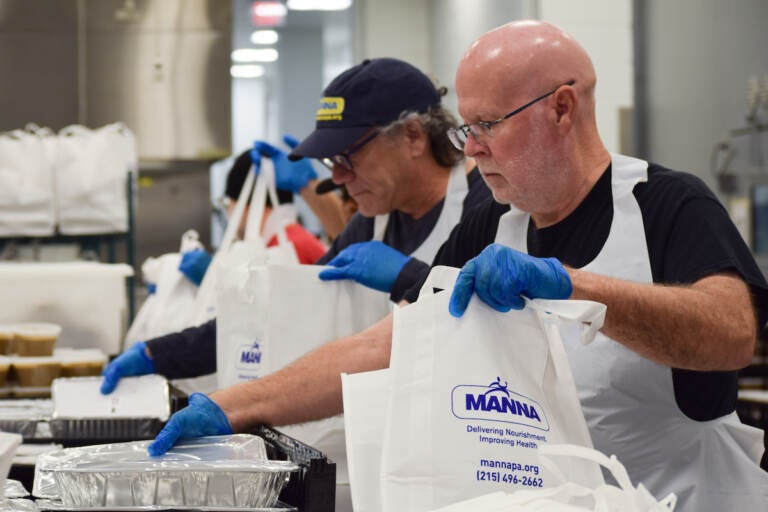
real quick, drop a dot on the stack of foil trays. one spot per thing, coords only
(217, 472)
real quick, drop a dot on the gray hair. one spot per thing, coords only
(436, 122)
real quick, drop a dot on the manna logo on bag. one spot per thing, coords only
(249, 357)
(495, 402)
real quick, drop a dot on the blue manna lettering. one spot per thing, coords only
(495, 402)
(250, 356)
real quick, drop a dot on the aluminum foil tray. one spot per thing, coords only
(23, 416)
(14, 489)
(98, 428)
(58, 506)
(26, 428)
(223, 472)
(13, 505)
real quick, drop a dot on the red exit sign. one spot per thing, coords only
(268, 14)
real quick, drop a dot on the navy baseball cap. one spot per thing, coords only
(373, 93)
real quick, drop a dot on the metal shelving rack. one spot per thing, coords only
(99, 247)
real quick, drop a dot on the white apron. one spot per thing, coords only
(629, 401)
(449, 217)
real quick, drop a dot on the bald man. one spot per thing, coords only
(685, 297)
(571, 220)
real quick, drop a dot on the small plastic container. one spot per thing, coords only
(36, 372)
(81, 362)
(7, 337)
(5, 368)
(35, 339)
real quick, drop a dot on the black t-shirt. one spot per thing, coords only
(689, 236)
(192, 352)
(406, 234)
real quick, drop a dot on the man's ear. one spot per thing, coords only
(566, 104)
(416, 137)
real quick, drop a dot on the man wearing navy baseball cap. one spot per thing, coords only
(381, 128)
(373, 93)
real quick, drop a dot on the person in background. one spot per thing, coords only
(570, 220)
(308, 247)
(348, 205)
(136, 360)
(300, 178)
(382, 125)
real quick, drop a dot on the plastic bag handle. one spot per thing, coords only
(74, 129)
(265, 185)
(442, 277)
(237, 212)
(611, 463)
(42, 131)
(590, 314)
(190, 241)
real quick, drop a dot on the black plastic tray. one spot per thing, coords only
(313, 487)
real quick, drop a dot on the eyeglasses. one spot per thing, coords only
(342, 159)
(481, 130)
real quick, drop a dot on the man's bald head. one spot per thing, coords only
(546, 158)
(526, 58)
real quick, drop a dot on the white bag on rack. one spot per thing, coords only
(90, 176)
(26, 183)
(167, 307)
(473, 397)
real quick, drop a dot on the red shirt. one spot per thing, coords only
(308, 248)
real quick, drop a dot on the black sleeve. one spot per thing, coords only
(715, 246)
(690, 236)
(184, 354)
(696, 237)
(467, 240)
(358, 229)
(414, 272)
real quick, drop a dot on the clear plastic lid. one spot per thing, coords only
(236, 452)
(38, 329)
(208, 471)
(146, 396)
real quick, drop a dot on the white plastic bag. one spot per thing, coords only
(473, 397)
(168, 307)
(272, 314)
(571, 497)
(90, 176)
(366, 402)
(233, 253)
(26, 183)
(280, 313)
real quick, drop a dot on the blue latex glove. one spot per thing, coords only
(202, 417)
(373, 264)
(194, 264)
(500, 276)
(130, 363)
(292, 176)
